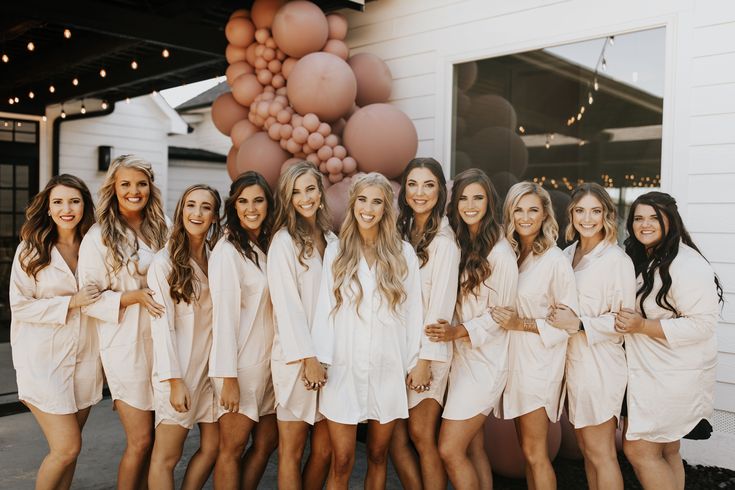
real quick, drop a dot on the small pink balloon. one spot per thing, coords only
(260, 63)
(269, 89)
(300, 134)
(262, 35)
(334, 178)
(280, 55)
(258, 121)
(296, 120)
(283, 116)
(281, 91)
(337, 48)
(308, 150)
(313, 158)
(349, 165)
(338, 25)
(324, 129)
(265, 77)
(262, 109)
(311, 122)
(283, 144)
(235, 70)
(239, 32)
(232, 163)
(281, 100)
(331, 140)
(263, 11)
(292, 146)
(269, 121)
(334, 165)
(250, 54)
(269, 54)
(275, 108)
(274, 131)
(287, 66)
(259, 49)
(268, 94)
(323, 168)
(286, 131)
(271, 43)
(340, 151)
(278, 81)
(233, 53)
(241, 131)
(315, 141)
(226, 112)
(288, 163)
(274, 66)
(325, 153)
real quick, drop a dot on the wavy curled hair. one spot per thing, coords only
(117, 235)
(391, 267)
(405, 213)
(235, 233)
(609, 212)
(474, 267)
(39, 233)
(660, 256)
(549, 229)
(181, 279)
(286, 215)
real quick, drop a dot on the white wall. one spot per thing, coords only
(205, 135)
(183, 173)
(421, 39)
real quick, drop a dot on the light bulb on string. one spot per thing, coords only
(604, 64)
(44, 119)
(11, 101)
(104, 104)
(5, 58)
(612, 40)
(596, 85)
(67, 33)
(75, 82)
(31, 94)
(581, 110)
(134, 65)
(16, 99)
(63, 113)
(127, 100)
(165, 53)
(83, 110)
(590, 100)
(103, 73)
(31, 46)
(51, 89)
(521, 130)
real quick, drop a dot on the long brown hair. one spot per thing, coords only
(474, 267)
(287, 217)
(181, 281)
(405, 213)
(236, 234)
(39, 233)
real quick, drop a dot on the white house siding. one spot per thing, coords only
(421, 39)
(205, 136)
(183, 173)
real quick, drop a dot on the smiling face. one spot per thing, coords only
(66, 207)
(132, 189)
(646, 227)
(422, 191)
(588, 217)
(252, 209)
(199, 212)
(369, 207)
(306, 197)
(528, 215)
(472, 205)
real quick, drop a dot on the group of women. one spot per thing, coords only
(421, 321)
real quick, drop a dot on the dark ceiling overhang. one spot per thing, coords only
(110, 35)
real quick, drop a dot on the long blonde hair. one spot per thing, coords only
(610, 214)
(390, 266)
(117, 235)
(286, 215)
(181, 279)
(549, 229)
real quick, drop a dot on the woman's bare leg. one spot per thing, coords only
(455, 437)
(600, 455)
(167, 449)
(320, 457)
(403, 457)
(132, 474)
(533, 430)
(344, 439)
(480, 461)
(291, 444)
(201, 464)
(423, 426)
(265, 441)
(378, 442)
(234, 431)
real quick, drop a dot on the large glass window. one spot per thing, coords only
(583, 112)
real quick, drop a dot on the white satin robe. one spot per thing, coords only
(596, 369)
(242, 328)
(294, 288)
(126, 347)
(370, 353)
(55, 350)
(671, 382)
(480, 363)
(439, 295)
(182, 339)
(536, 360)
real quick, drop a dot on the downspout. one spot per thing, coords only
(56, 135)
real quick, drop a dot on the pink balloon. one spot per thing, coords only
(307, 150)
(226, 112)
(311, 122)
(339, 151)
(300, 28)
(490, 110)
(265, 77)
(334, 165)
(269, 54)
(324, 153)
(250, 55)
(278, 81)
(293, 147)
(323, 167)
(300, 135)
(334, 178)
(323, 84)
(504, 451)
(271, 43)
(240, 32)
(262, 108)
(263, 12)
(274, 131)
(287, 66)
(315, 141)
(288, 163)
(337, 48)
(332, 140)
(261, 35)
(337, 196)
(233, 53)
(232, 163)
(296, 121)
(494, 149)
(313, 158)
(283, 116)
(349, 165)
(260, 63)
(240, 13)
(275, 108)
(286, 131)
(241, 131)
(338, 126)
(235, 70)
(274, 66)
(280, 55)
(381, 138)
(466, 75)
(245, 88)
(373, 77)
(337, 26)
(324, 129)
(262, 154)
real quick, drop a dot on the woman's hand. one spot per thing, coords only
(629, 321)
(563, 318)
(419, 379)
(314, 374)
(507, 318)
(230, 396)
(179, 396)
(85, 296)
(144, 297)
(441, 331)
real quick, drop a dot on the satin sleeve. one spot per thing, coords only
(621, 294)
(226, 292)
(163, 329)
(24, 304)
(92, 269)
(323, 328)
(414, 310)
(562, 290)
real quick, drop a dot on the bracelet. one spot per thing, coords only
(528, 324)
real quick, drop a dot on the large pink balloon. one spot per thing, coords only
(232, 163)
(495, 149)
(300, 28)
(381, 138)
(262, 154)
(337, 48)
(239, 32)
(263, 12)
(504, 451)
(322, 83)
(226, 112)
(233, 53)
(337, 196)
(241, 131)
(490, 110)
(337, 26)
(373, 78)
(245, 88)
(236, 69)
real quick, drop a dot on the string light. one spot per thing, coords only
(596, 85)
(548, 144)
(83, 109)
(104, 104)
(31, 94)
(134, 65)
(17, 100)
(5, 58)
(590, 100)
(44, 119)
(165, 53)
(67, 33)
(11, 101)
(75, 82)
(30, 46)
(52, 89)
(127, 100)
(521, 129)
(604, 64)
(103, 73)
(63, 113)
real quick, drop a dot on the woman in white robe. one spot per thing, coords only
(367, 329)
(294, 274)
(242, 326)
(537, 351)
(596, 370)
(488, 278)
(182, 338)
(55, 352)
(114, 257)
(670, 342)
(422, 202)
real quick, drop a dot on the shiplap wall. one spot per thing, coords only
(420, 39)
(205, 135)
(183, 173)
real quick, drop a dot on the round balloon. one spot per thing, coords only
(496, 149)
(232, 163)
(337, 26)
(490, 110)
(233, 53)
(263, 12)
(245, 88)
(337, 48)
(235, 70)
(226, 112)
(300, 28)
(337, 197)
(381, 138)
(262, 154)
(373, 78)
(240, 32)
(240, 13)
(466, 75)
(241, 131)
(322, 83)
